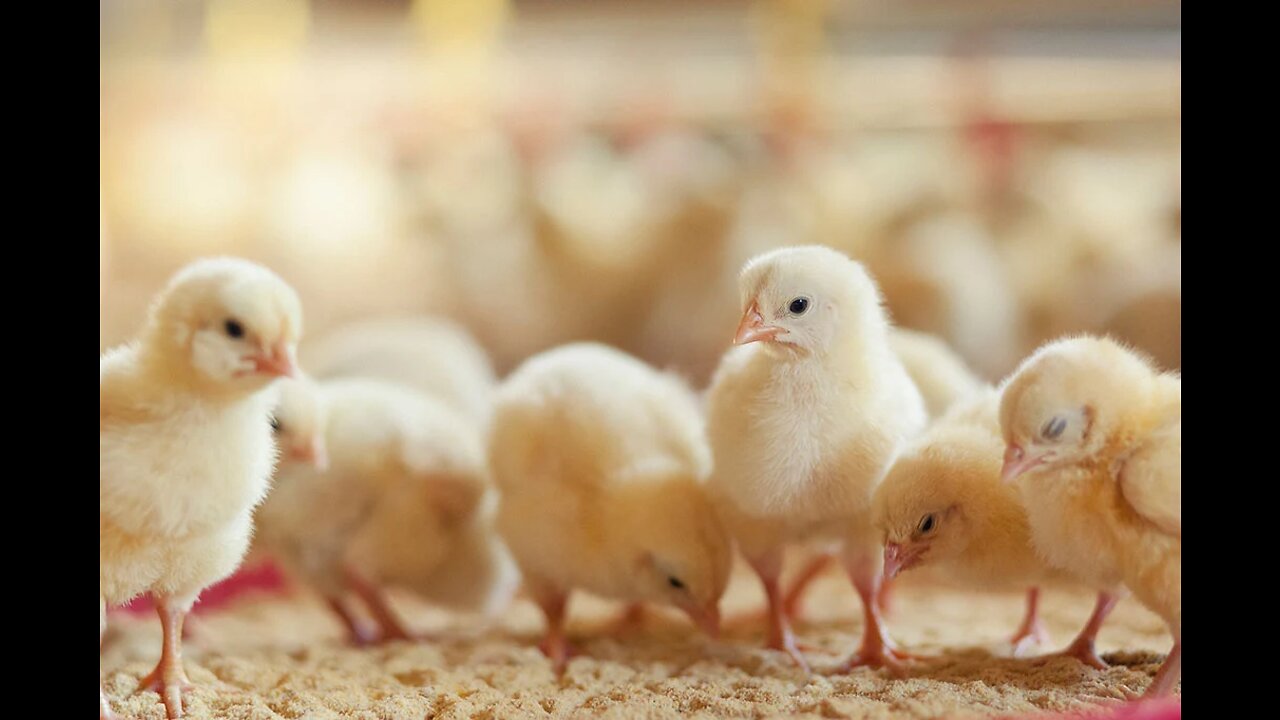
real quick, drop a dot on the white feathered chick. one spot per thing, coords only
(805, 420)
(185, 449)
(404, 501)
(601, 462)
(432, 355)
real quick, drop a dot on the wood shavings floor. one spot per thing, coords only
(279, 657)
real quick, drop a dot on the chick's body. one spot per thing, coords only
(185, 448)
(1095, 432)
(405, 494)
(431, 355)
(601, 463)
(804, 424)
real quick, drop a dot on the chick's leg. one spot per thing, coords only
(555, 645)
(1169, 675)
(769, 568)
(358, 632)
(1082, 648)
(1031, 631)
(877, 649)
(793, 604)
(379, 606)
(104, 707)
(169, 679)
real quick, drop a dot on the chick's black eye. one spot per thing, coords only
(799, 306)
(234, 329)
(927, 524)
(1054, 428)
(275, 424)
(675, 583)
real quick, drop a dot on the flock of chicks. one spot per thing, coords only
(406, 463)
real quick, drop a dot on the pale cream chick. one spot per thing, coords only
(602, 462)
(404, 501)
(943, 506)
(941, 375)
(804, 421)
(432, 355)
(1094, 435)
(185, 449)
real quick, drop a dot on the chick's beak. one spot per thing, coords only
(312, 453)
(753, 329)
(707, 618)
(278, 361)
(898, 558)
(1016, 462)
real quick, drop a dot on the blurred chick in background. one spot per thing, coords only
(804, 420)
(943, 505)
(432, 355)
(1095, 434)
(404, 501)
(185, 450)
(601, 462)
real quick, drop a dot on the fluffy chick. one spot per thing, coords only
(943, 505)
(939, 373)
(432, 355)
(1095, 433)
(404, 501)
(805, 419)
(601, 462)
(185, 450)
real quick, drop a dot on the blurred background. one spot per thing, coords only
(552, 170)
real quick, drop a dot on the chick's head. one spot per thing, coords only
(299, 421)
(802, 299)
(935, 499)
(1061, 406)
(227, 323)
(679, 552)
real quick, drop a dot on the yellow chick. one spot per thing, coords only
(942, 377)
(1095, 434)
(432, 355)
(404, 501)
(601, 462)
(804, 421)
(185, 450)
(943, 505)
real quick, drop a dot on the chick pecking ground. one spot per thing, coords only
(265, 658)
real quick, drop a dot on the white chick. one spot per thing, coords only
(939, 373)
(805, 420)
(601, 462)
(432, 355)
(185, 450)
(1096, 434)
(404, 501)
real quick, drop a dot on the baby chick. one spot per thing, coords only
(943, 505)
(404, 501)
(805, 420)
(431, 355)
(185, 449)
(1095, 433)
(601, 462)
(939, 373)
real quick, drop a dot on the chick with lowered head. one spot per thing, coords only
(602, 462)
